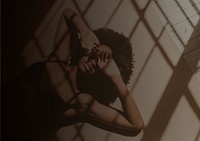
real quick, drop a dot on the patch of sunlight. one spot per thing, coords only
(159, 13)
(68, 132)
(165, 23)
(142, 44)
(180, 29)
(100, 11)
(189, 10)
(170, 48)
(183, 125)
(176, 39)
(184, 30)
(92, 133)
(124, 19)
(194, 87)
(153, 20)
(152, 84)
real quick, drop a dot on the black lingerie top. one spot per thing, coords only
(29, 111)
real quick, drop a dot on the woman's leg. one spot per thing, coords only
(61, 41)
(56, 77)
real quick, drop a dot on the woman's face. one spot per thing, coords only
(88, 64)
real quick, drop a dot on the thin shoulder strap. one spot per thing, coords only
(68, 105)
(72, 98)
(67, 63)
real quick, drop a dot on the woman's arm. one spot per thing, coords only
(62, 36)
(130, 118)
(87, 38)
(76, 20)
(106, 117)
(127, 122)
(130, 110)
(55, 75)
(129, 106)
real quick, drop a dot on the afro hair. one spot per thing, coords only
(121, 50)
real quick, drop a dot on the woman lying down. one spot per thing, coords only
(84, 74)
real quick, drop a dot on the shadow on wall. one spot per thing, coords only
(176, 88)
(20, 19)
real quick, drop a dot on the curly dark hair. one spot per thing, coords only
(121, 50)
(103, 89)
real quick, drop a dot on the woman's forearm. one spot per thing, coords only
(77, 21)
(87, 38)
(105, 117)
(129, 106)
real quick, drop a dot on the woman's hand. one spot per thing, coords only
(87, 66)
(106, 63)
(88, 40)
(87, 37)
(104, 52)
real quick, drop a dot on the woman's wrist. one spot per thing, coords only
(83, 30)
(76, 20)
(80, 25)
(117, 79)
(120, 85)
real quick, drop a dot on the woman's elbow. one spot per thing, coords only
(139, 125)
(134, 131)
(136, 128)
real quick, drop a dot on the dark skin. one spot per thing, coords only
(126, 122)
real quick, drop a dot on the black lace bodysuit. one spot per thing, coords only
(30, 112)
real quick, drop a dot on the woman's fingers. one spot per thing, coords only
(104, 52)
(86, 68)
(102, 63)
(105, 56)
(93, 62)
(101, 56)
(90, 66)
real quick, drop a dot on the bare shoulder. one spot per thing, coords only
(83, 102)
(85, 99)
